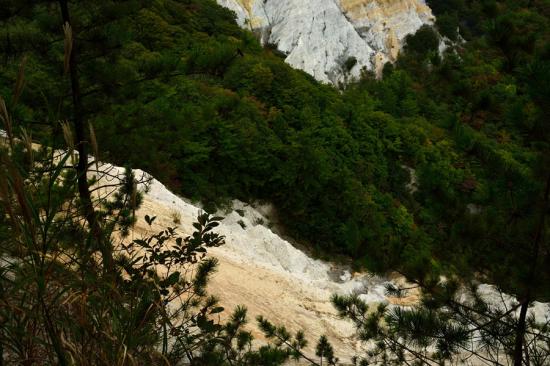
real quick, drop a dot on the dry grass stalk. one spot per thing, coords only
(19, 191)
(6, 119)
(68, 43)
(20, 82)
(5, 196)
(68, 136)
(93, 142)
(27, 141)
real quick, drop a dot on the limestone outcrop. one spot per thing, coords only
(333, 40)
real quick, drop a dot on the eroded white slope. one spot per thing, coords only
(319, 36)
(250, 241)
(269, 276)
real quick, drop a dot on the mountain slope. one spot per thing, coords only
(265, 273)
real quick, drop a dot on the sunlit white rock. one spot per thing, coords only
(319, 36)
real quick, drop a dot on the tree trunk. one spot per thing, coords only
(520, 333)
(522, 321)
(82, 148)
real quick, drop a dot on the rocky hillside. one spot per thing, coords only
(333, 40)
(265, 273)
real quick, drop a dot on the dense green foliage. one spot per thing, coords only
(176, 88)
(440, 167)
(483, 201)
(60, 306)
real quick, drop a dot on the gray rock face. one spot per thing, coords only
(323, 37)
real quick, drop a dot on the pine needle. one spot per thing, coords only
(133, 198)
(5, 197)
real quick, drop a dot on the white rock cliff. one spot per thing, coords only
(319, 36)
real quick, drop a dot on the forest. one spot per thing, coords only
(438, 169)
